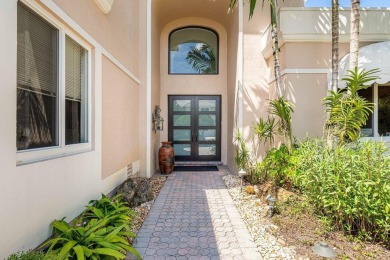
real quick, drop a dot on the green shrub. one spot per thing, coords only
(347, 111)
(243, 155)
(350, 184)
(283, 110)
(114, 210)
(278, 165)
(32, 255)
(100, 233)
(91, 241)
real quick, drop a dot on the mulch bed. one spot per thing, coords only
(300, 228)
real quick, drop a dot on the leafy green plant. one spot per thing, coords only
(349, 184)
(243, 155)
(347, 111)
(32, 255)
(278, 166)
(264, 130)
(114, 210)
(95, 240)
(283, 109)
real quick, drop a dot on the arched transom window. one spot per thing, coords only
(193, 50)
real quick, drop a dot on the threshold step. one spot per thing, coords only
(190, 163)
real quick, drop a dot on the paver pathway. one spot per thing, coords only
(194, 217)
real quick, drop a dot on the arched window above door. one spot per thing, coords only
(193, 50)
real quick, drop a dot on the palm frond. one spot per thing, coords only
(202, 59)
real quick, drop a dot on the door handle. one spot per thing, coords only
(196, 136)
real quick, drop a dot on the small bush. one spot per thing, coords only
(100, 233)
(277, 165)
(32, 255)
(114, 210)
(350, 184)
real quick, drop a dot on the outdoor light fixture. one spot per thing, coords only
(322, 249)
(157, 120)
(271, 203)
(241, 174)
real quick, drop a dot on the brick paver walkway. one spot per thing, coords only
(194, 217)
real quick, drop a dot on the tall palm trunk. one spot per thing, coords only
(335, 44)
(275, 46)
(354, 44)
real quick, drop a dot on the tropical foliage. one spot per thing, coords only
(114, 210)
(243, 156)
(32, 255)
(202, 59)
(349, 184)
(100, 233)
(283, 110)
(265, 130)
(347, 111)
(277, 166)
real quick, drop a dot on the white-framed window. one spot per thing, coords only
(378, 123)
(53, 89)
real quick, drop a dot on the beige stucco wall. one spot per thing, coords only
(35, 194)
(117, 31)
(232, 87)
(195, 84)
(119, 119)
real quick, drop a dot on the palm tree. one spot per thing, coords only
(354, 44)
(335, 44)
(274, 35)
(202, 59)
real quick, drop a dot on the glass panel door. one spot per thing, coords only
(194, 127)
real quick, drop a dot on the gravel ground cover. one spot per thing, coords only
(254, 211)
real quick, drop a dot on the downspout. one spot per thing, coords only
(240, 63)
(148, 86)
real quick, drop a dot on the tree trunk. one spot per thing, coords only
(275, 47)
(335, 44)
(354, 44)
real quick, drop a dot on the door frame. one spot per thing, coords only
(194, 127)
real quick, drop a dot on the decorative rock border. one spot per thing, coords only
(254, 213)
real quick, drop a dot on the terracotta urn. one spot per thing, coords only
(166, 158)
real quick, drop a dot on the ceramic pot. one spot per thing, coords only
(166, 158)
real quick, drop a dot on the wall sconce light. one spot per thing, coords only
(157, 120)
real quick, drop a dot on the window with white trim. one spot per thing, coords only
(52, 85)
(378, 123)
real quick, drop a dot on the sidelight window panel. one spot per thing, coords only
(75, 92)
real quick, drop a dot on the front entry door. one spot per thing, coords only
(194, 127)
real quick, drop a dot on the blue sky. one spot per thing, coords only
(179, 63)
(347, 3)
